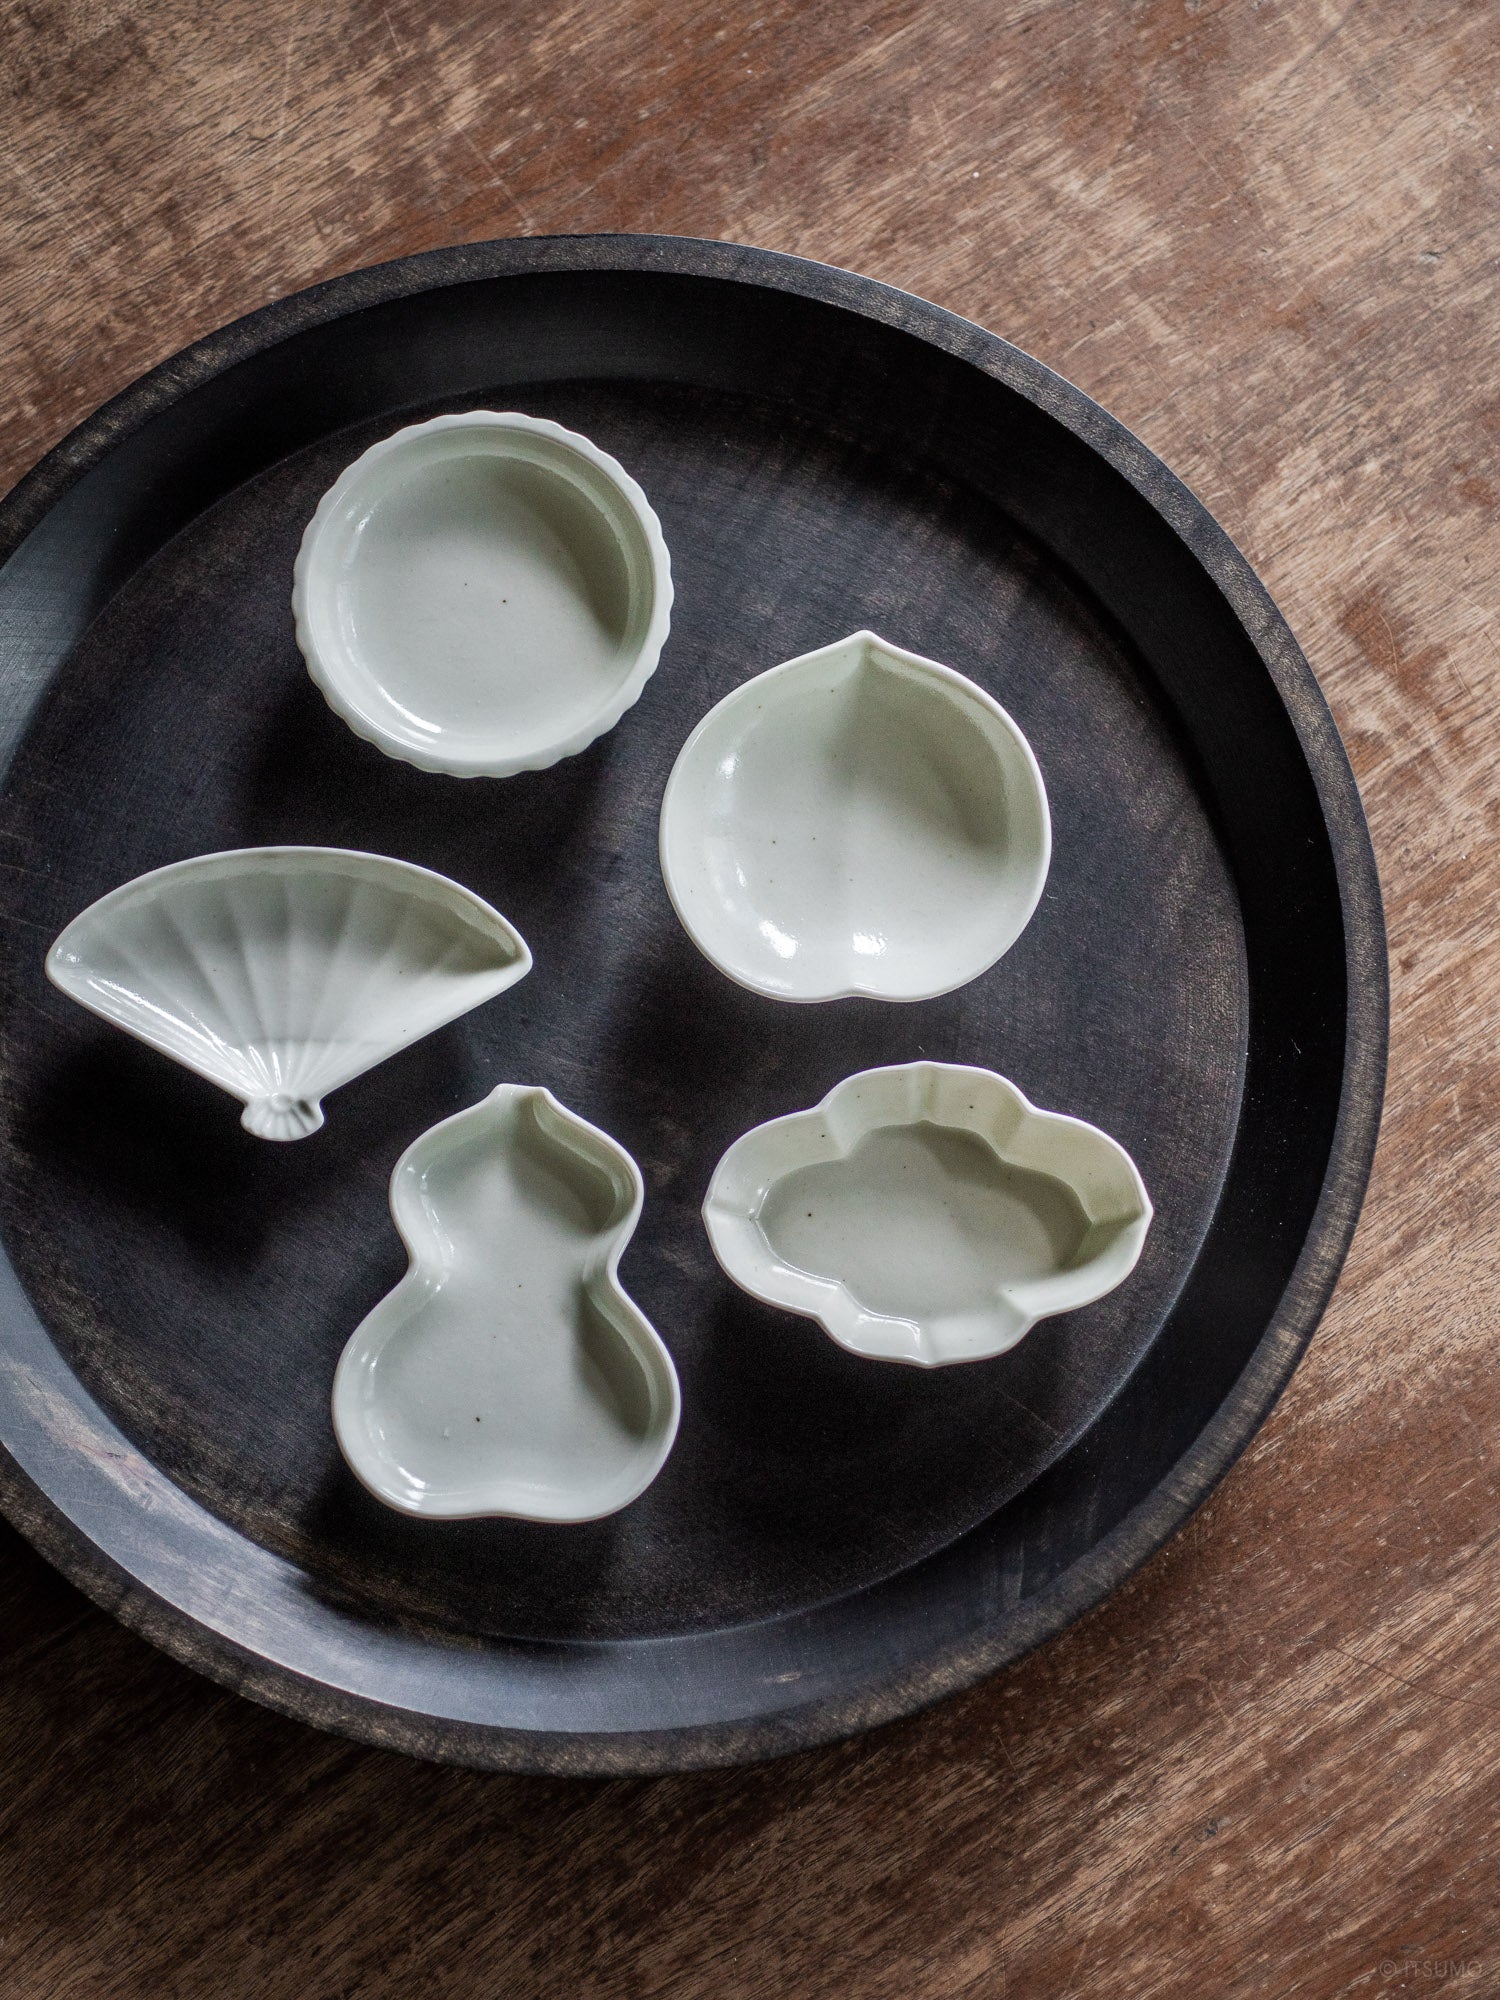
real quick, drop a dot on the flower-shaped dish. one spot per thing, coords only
(482, 594)
(859, 820)
(509, 1372)
(280, 973)
(927, 1213)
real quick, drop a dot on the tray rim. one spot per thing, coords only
(1108, 1564)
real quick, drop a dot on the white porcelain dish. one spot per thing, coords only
(859, 820)
(482, 594)
(280, 973)
(927, 1213)
(509, 1372)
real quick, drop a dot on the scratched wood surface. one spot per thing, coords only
(1262, 233)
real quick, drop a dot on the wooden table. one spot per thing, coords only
(1262, 233)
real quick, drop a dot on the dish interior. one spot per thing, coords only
(484, 591)
(856, 821)
(928, 1222)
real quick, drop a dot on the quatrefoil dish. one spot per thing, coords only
(927, 1213)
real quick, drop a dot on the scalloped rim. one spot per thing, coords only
(762, 1157)
(953, 684)
(429, 1255)
(326, 674)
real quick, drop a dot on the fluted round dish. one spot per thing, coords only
(509, 1372)
(482, 594)
(856, 821)
(280, 973)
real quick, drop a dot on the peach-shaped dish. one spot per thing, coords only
(859, 820)
(927, 1213)
(509, 1372)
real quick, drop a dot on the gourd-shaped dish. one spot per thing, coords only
(280, 973)
(927, 1213)
(859, 820)
(509, 1372)
(483, 593)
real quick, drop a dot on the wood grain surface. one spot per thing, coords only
(1261, 232)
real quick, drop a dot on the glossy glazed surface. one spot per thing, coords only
(280, 973)
(859, 820)
(483, 593)
(509, 1372)
(928, 1213)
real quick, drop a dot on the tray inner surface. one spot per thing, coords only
(202, 1283)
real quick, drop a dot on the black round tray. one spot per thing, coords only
(833, 1542)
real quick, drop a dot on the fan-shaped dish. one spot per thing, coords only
(927, 1213)
(482, 594)
(509, 1372)
(856, 821)
(281, 972)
